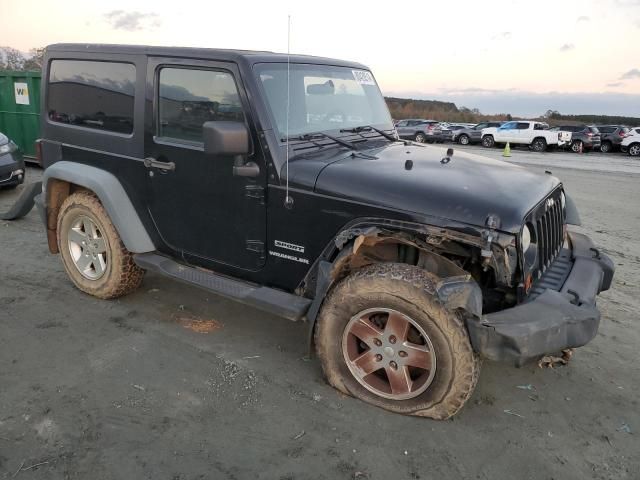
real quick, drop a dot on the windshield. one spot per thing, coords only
(322, 98)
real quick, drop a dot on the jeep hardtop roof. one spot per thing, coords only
(248, 56)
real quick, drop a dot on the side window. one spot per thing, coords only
(91, 94)
(525, 126)
(537, 126)
(189, 98)
(509, 126)
(480, 126)
(402, 123)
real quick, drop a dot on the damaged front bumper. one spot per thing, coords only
(558, 316)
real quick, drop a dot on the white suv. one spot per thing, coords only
(631, 142)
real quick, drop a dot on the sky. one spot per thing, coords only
(517, 56)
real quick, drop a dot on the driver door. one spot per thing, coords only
(203, 210)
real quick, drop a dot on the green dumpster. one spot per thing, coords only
(20, 108)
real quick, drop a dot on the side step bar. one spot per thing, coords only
(268, 299)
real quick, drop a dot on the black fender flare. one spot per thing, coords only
(113, 197)
(457, 292)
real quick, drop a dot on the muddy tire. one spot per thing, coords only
(437, 388)
(91, 249)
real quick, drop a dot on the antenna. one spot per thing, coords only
(288, 201)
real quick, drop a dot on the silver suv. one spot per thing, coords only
(420, 130)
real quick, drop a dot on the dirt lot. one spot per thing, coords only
(173, 383)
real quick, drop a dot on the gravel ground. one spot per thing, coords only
(173, 383)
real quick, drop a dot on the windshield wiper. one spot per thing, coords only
(369, 128)
(311, 136)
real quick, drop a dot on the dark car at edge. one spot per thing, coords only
(12, 171)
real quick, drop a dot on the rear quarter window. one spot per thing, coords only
(91, 94)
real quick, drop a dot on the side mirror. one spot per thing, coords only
(225, 138)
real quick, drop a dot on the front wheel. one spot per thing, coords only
(488, 141)
(634, 149)
(606, 147)
(92, 252)
(384, 338)
(464, 139)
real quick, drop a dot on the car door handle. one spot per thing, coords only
(151, 162)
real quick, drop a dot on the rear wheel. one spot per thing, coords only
(464, 139)
(634, 149)
(488, 141)
(91, 249)
(383, 337)
(606, 147)
(420, 137)
(539, 145)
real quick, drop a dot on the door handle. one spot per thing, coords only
(151, 162)
(249, 169)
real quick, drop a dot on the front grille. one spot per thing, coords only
(549, 232)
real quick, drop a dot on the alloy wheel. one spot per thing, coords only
(88, 248)
(389, 353)
(464, 140)
(634, 150)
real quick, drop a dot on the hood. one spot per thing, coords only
(466, 189)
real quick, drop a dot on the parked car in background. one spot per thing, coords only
(454, 128)
(419, 130)
(580, 138)
(473, 134)
(11, 163)
(631, 142)
(611, 137)
(534, 134)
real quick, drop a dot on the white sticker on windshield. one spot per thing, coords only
(363, 77)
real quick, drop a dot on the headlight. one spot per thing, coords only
(7, 148)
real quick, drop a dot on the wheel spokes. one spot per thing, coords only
(83, 262)
(418, 356)
(77, 237)
(367, 363)
(99, 245)
(399, 380)
(365, 331)
(397, 325)
(99, 265)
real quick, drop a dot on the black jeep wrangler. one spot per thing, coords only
(280, 181)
